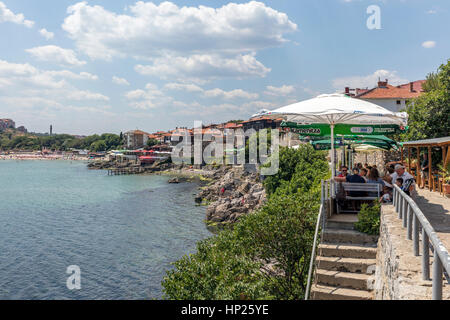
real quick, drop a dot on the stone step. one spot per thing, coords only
(321, 292)
(346, 264)
(357, 281)
(348, 237)
(342, 225)
(347, 251)
(342, 221)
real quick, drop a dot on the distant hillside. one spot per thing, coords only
(12, 139)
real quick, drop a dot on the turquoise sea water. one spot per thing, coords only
(122, 231)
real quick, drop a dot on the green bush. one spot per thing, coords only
(369, 219)
(266, 254)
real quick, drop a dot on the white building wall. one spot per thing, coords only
(390, 104)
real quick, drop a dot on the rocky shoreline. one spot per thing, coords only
(232, 194)
(229, 192)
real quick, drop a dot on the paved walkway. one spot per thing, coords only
(437, 210)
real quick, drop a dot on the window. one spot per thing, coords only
(399, 102)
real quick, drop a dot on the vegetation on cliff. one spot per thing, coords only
(265, 255)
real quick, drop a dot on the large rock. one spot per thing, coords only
(233, 193)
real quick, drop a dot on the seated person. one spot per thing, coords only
(387, 193)
(374, 177)
(341, 177)
(363, 173)
(404, 185)
(356, 178)
(408, 180)
(344, 172)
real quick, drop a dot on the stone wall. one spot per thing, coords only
(378, 158)
(398, 273)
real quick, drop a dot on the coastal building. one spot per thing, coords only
(260, 123)
(7, 124)
(22, 129)
(393, 98)
(156, 137)
(136, 139)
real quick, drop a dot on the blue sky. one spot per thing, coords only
(111, 66)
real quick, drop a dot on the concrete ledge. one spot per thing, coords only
(398, 274)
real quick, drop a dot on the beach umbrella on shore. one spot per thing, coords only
(330, 114)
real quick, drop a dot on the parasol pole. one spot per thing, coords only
(333, 165)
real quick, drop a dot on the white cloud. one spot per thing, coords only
(71, 75)
(202, 68)
(27, 85)
(186, 42)
(233, 94)
(6, 15)
(151, 29)
(212, 93)
(87, 95)
(369, 81)
(183, 87)
(258, 105)
(429, 44)
(279, 91)
(46, 34)
(56, 54)
(120, 81)
(149, 98)
(16, 69)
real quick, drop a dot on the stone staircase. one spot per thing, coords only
(345, 263)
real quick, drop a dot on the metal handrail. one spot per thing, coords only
(323, 197)
(412, 218)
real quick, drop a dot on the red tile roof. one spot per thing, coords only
(231, 125)
(387, 91)
(137, 132)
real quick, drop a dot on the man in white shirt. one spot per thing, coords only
(400, 172)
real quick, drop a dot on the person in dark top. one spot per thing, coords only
(355, 177)
(404, 185)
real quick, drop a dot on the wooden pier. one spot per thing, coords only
(126, 171)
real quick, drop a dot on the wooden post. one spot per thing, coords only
(409, 160)
(445, 154)
(419, 178)
(401, 151)
(429, 168)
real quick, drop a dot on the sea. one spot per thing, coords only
(67, 232)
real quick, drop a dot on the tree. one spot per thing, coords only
(429, 113)
(99, 145)
(266, 254)
(152, 142)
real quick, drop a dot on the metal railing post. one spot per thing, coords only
(313, 254)
(437, 278)
(396, 200)
(425, 256)
(404, 216)
(416, 222)
(415, 235)
(409, 213)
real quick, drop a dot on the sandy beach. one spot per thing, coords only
(39, 156)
